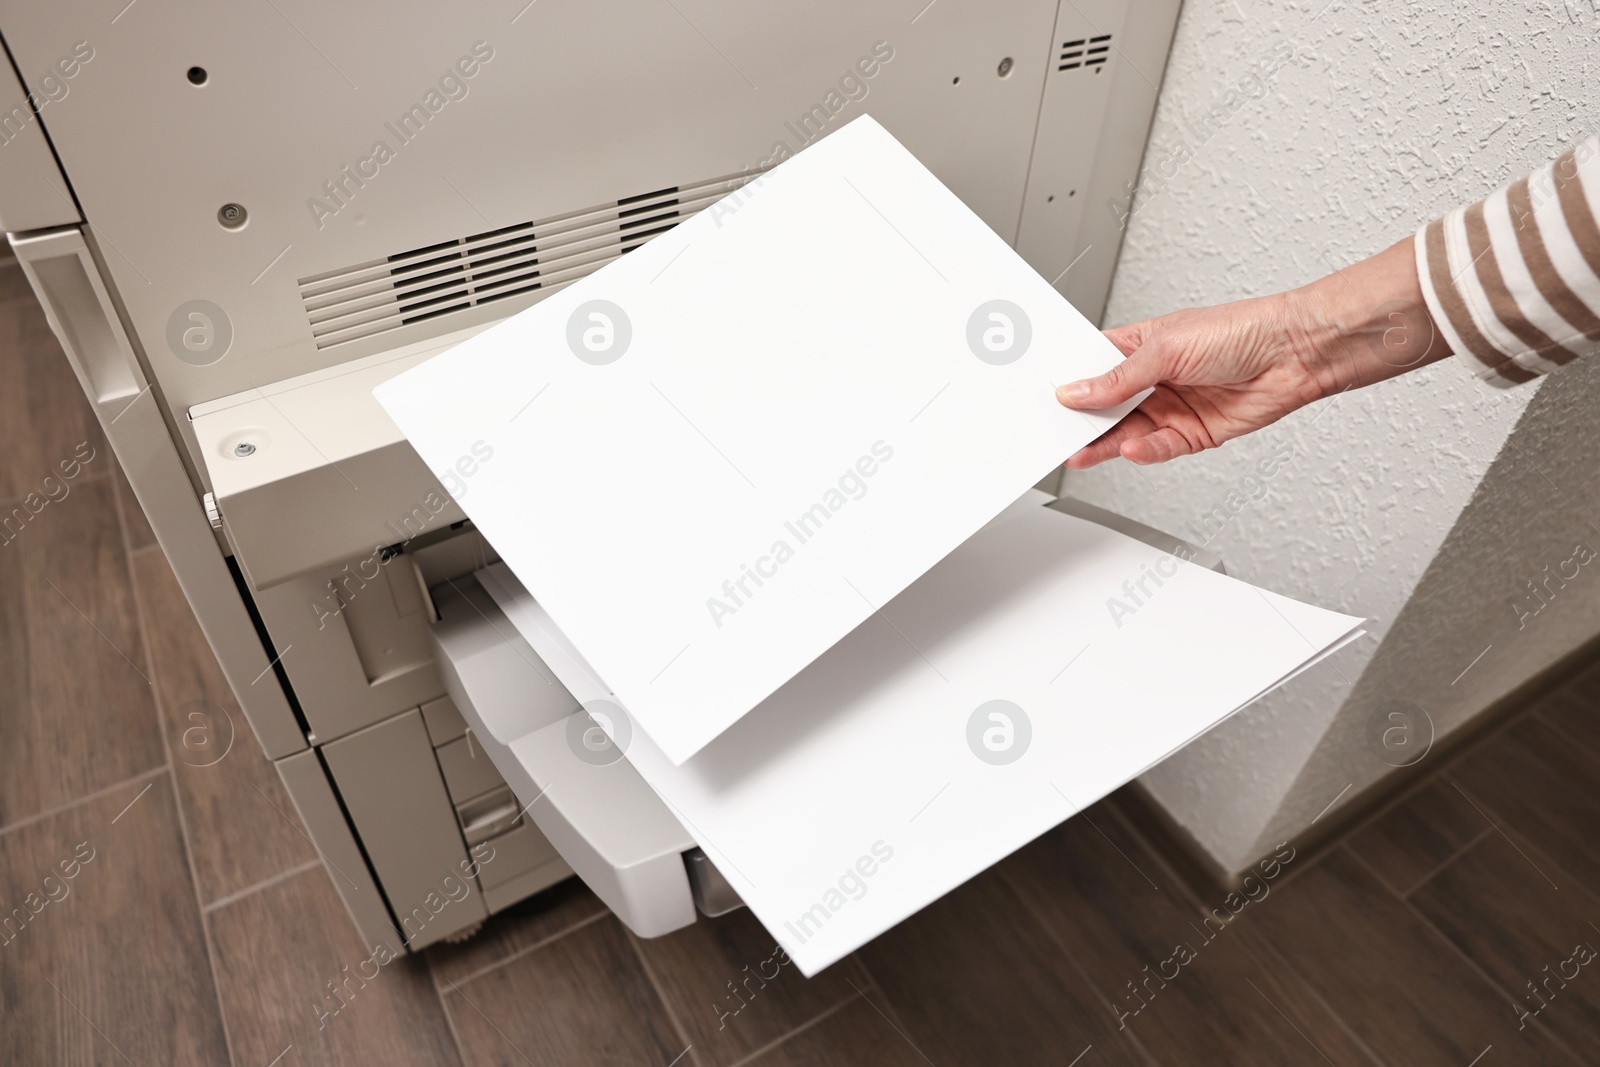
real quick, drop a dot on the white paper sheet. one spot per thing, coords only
(813, 406)
(866, 754)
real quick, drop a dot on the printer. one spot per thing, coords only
(239, 220)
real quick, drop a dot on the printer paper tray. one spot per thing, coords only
(608, 825)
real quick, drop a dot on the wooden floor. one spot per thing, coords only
(157, 912)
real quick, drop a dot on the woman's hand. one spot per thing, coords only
(1221, 372)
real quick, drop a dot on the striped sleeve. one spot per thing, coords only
(1513, 281)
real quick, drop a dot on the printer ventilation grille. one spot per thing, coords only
(544, 255)
(1084, 52)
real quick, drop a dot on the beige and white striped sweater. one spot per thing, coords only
(1514, 280)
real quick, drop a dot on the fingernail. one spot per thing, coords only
(1073, 391)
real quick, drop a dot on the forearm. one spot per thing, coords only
(1365, 323)
(1511, 283)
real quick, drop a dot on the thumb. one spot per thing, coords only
(1145, 366)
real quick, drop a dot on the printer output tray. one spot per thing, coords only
(877, 781)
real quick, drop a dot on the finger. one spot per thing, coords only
(1109, 444)
(1158, 447)
(1128, 338)
(1143, 369)
(1092, 455)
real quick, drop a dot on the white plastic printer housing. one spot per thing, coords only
(230, 267)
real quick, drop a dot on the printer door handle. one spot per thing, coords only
(80, 312)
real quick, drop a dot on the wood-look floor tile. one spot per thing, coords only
(292, 970)
(107, 966)
(582, 999)
(1575, 710)
(133, 517)
(1412, 839)
(238, 840)
(13, 283)
(975, 980)
(77, 713)
(856, 1035)
(733, 989)
(1542, 785)
(44, 417)
(1393, 980)
(1520, 930)
(1205, 988)
(522, 926)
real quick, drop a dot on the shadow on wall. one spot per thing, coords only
(1514, 588)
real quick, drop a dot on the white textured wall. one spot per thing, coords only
(1387, 116)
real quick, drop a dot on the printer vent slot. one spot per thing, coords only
(455, 275)
(1084, 52)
